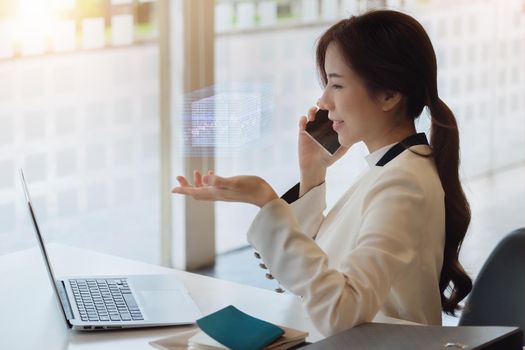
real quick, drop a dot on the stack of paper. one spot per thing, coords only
(231, 328)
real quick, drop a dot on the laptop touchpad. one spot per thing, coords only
(167, 305)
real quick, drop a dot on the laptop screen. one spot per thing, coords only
(41, 243)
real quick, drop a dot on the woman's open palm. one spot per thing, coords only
(247, 189)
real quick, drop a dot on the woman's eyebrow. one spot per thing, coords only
(334, 75)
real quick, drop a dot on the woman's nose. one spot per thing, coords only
(322, 102)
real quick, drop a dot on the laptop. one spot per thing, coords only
(113, 302)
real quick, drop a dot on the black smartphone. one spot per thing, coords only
(322, 132)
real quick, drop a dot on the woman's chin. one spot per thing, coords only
(346, 141)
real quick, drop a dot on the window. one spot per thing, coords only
(79, 112)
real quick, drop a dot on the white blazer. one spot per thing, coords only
(378, 250)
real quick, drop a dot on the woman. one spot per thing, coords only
(391, 243)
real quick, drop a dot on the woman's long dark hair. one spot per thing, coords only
(391, 51)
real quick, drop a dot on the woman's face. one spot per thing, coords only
(355, 114)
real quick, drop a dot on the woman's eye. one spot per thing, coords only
(337, 87)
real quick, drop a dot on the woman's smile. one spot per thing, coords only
(337, 125)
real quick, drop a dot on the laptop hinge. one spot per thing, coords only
(64, 300)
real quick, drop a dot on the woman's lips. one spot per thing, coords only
(338, 124)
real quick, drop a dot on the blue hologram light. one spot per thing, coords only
(222, 120)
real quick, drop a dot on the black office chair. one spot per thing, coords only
(498, 294)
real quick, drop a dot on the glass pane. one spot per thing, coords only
(84, 126)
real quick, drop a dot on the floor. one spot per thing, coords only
(498, 207)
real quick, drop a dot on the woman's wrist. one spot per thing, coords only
(311, 181)
(267, 196)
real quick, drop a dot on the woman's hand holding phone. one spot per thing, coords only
(313, 158)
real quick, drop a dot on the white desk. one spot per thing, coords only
(22, 271)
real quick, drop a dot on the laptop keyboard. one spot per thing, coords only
(107, 300)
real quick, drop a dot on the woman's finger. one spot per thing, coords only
(205, 178)
(311, 113)
(217, 181)
(199, 193)
(187, 190)
(197, 178)
(302, 123)
(182, 181)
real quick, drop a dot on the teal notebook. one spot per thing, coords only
(237, 330)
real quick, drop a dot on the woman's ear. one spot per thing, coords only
(390, 100)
